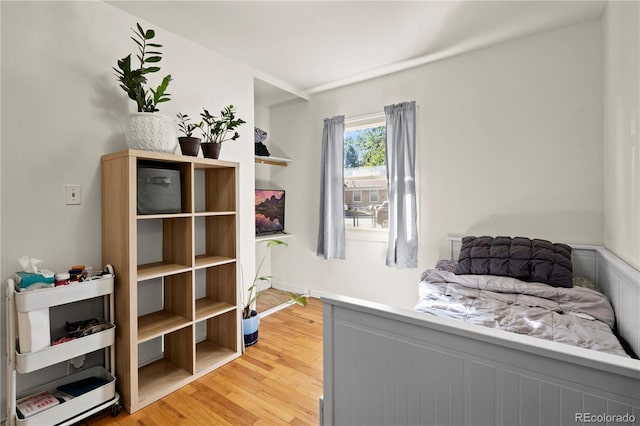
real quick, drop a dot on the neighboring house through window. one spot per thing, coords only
(365, 173)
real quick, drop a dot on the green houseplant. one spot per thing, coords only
(133, 81)
(189, 144)
(250, 319)
(216, 130)
(144, 130)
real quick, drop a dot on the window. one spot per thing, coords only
(365, 173)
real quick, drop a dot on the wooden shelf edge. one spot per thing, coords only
(159, 323)
(207, 308)
(149, 271)
(198, 162)
(274, 161)
(221, 213)
(206, 261)
(164, 216)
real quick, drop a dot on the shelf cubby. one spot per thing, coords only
(220, 342)
(186, 179)
(176, 365)
(215, 291)
(215, 239)
(214, 189)
(171, 243)
(176, 310)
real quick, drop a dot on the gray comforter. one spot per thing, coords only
(577, 316)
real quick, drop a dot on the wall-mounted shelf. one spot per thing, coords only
(273, 161)
(272, 237)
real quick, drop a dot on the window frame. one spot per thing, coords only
(366, 234)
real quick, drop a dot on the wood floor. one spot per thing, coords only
(271, 298)
(278, 381)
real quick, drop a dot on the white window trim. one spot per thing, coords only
(374, 191)
(356, 191)
(364, 121)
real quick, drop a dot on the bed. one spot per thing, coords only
(390, 366)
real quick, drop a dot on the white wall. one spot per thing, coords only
(509, 142)
(264, 180)
(262, 120)
(63, 110)
(621, 50)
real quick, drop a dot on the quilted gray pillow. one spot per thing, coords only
(522, 258)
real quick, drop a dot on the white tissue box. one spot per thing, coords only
(33, 330)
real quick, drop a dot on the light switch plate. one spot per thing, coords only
(72, 194)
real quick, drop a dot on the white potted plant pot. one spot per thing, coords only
(149, 131)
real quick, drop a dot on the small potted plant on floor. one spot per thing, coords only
(189, 144)
(145, 130)
(250, 318)
(217, 130)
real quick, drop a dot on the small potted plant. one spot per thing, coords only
(250, 318)
(217, 130)
(189, 144)
(144, 130)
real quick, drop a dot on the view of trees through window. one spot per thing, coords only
(365, 180)
(364, 147)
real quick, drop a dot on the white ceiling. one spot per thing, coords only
(305, 47)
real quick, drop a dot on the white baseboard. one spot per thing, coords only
(295, 289)
(291, 289)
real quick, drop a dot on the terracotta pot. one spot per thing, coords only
(189, 145)
(211, 150)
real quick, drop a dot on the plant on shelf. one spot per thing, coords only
(133, 81)
(152, 132)
(189, 144)
(249, 312)
(184, 125)
(217, 130)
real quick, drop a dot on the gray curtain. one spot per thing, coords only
(331, 227)
(402, 246)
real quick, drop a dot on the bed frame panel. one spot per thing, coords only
(392, 366)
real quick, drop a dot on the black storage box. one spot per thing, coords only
(159, 190)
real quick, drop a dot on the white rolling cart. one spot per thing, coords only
(88, 403)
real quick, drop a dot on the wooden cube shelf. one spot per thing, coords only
(191, 256)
